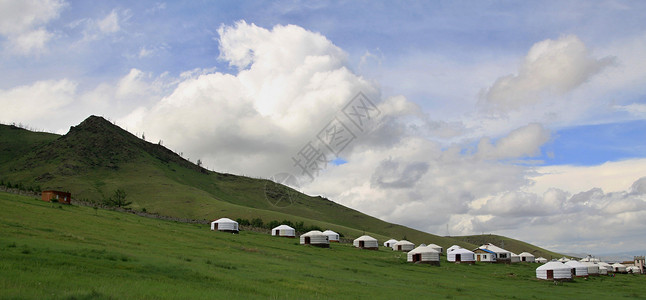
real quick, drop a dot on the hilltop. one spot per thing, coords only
(97, 157)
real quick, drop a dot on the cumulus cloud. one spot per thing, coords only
(22, 23)
(522, 142)
(36, 101)
(551, 67)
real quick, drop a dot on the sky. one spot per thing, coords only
(525, 119)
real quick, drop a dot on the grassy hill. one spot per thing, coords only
(52, 251)
(96, 157)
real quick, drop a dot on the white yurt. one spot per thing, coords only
(526, 257)
(554, 270)
(618, 268)
(452, 248)
(593, 269)
(225, 224)
(606, 266)
(633, 270)
(541, 260)
(403, 245)
(366, 242)
(515, 258)
(603, 270)
(461, 255)
(436, 247)
(315, 238)
(389, 243)
(332, 236)
(564, 259)
(580, 270)
(424, 255)
(283, 230)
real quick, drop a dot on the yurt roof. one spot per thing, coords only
(391, 241)
(404, 242)
(526, 254)
(494, 248)
(434, 246)
(224, 220)
(514, 254)
(328, 232)
(283, 227)
(313, 232)
(575, 263)
(453, 248)
(603, 264)
(618, 265)
(553, 265)
(461, 250)
(423, 249)
(365, 238)
(542, 258)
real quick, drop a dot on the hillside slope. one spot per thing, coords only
(81, 253)
(97, 157)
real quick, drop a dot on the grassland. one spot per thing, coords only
(49, 251)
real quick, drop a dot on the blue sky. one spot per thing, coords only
(495, 114)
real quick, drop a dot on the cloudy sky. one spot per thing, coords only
(525, 119)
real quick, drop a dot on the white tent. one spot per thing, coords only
(606, 266)
(332, 236)
(618, 268)
(603, 270)
(593, 269)
(315, 238)
(403, 245)
(526, 257)
(424, 254)
(436, 247)
(225, 224)
(541, 260)
(515, 258)
(634, 270)
(564, 259)
(283, 230)
(389, 243)
(452, 248)
(461, 255)
(554, 270)
(580, 270)
(366, 242)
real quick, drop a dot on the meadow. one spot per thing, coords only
(53, 251)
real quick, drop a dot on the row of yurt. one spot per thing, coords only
(225, 224)
(461, 255)
(424, 254)
(315, 238)
(554, 270)
(403, 245)
(284, 231)
(366, 242)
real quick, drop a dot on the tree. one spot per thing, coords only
(199, 163)
(118, 199)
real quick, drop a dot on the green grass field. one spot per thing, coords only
(49, 251)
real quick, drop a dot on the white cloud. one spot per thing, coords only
(109, 24)
(21, 22)
(521, 142)
(552, 67)
(37, 101)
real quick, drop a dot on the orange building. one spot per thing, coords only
(61, 197)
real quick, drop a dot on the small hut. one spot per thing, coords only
(332, 236)
(315, 238)
(424, 255)
(284, 231)
(366, 242)
(526, 257)
(452, 248)
(515, 258)
(225, 224)
(634, 270)
(541, 260)
(436, 247)
(56, 196)
(461, 255)
(403, 245)
(579, 269)
(485, 255)
(389, 243)
(554, 270)
(606, 266)
(564, 259)
(603, 270)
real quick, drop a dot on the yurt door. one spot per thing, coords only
(458, 257)
(478, 257)
(277, 232)
(362, 244)
(399, 247)
(307, 240)
(550, 274)
(417, 257)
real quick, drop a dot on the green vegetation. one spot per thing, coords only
(79, 253)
